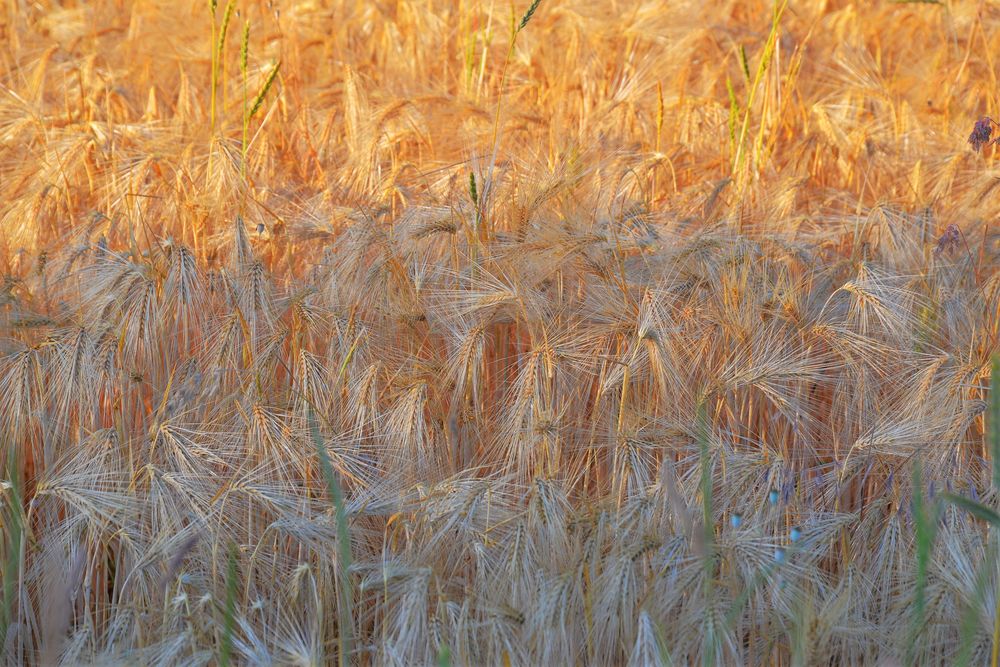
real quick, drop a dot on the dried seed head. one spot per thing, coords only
(949, 240)
(981, 133)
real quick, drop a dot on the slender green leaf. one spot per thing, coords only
(225, 656)
(993, 417)
(977, 510)
(926, 520)
(444, 656)
(344, 589)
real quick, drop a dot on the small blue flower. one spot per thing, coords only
(779, 555)
(735, 520)
(772, 497)
(795, 534)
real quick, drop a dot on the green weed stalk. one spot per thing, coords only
(708, 530)
(13, 522)
(926, 519)
(344, 590)
(514, 32)
(762, 66)
(220, 54)
(213, 6)
(992, 518)
(244, 59)
(229, 621)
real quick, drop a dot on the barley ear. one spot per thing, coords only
(528, 14)
(226, 17)
(263, 91)
(245, 49)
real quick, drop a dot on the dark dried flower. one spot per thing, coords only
(981, 133)
(949, 240)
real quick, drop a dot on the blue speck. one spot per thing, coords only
(795, 534)
(735, 520)
(779, 555)
(772, 497)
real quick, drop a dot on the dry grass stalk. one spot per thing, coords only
(495, 333)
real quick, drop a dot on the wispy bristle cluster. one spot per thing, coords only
(374, 389)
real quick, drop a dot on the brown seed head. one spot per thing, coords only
(949, 240)
(981, 133)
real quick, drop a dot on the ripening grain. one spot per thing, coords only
(413, 332)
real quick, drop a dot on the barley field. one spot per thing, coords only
(499, 332)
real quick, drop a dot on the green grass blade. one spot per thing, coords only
(229, 627)
(977, 510)
(343, 545)
(444, 657)
(708, 526)
(926, 520)
(11, 564)
(993, 416)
